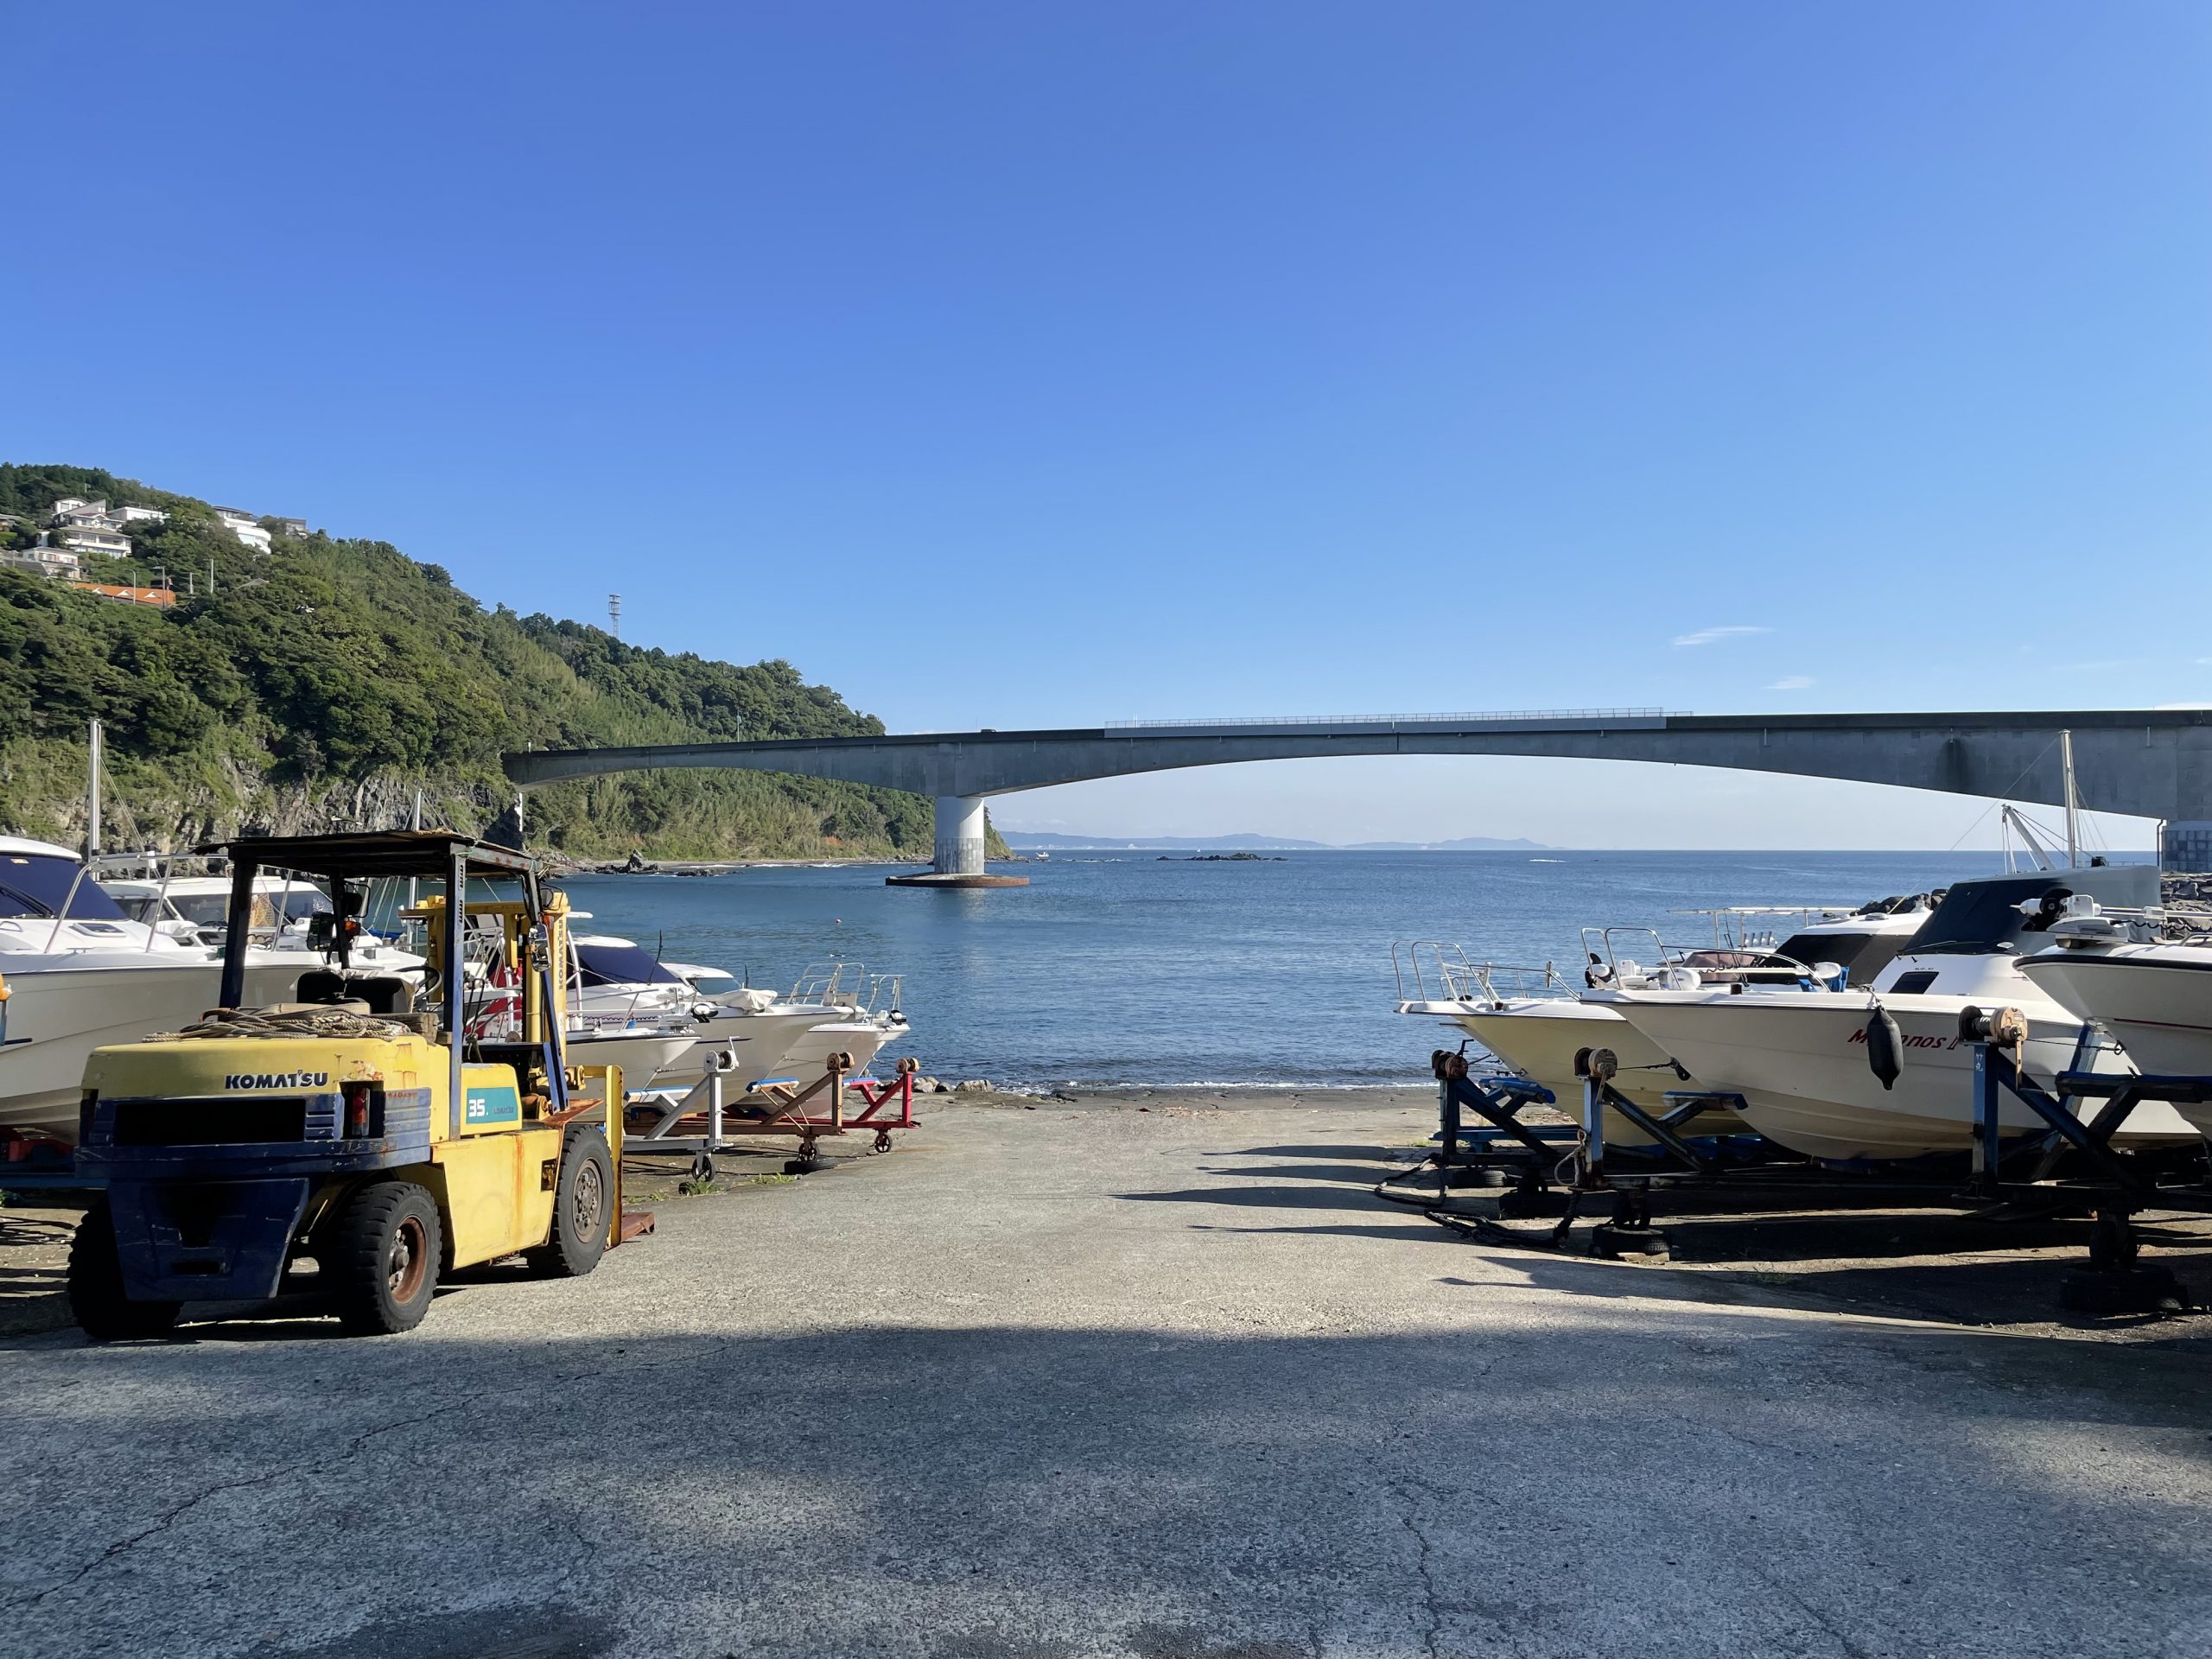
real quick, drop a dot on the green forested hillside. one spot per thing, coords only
(319, 684)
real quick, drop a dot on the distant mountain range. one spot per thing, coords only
(1036, 841)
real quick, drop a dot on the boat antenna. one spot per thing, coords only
(2073, 807)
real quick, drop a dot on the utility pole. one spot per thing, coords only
(614, 614)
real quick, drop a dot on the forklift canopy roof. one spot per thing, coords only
(428, 853)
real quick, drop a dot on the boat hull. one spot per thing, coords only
(2156, 1004)
(860, 1039)
(787, 1043)
(762, 1044)
(643, 1055)
(1799, 1060)
(1540, 1039)
(68, 1009)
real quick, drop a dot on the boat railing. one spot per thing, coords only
(829, 984)
(880, 997)
(1606, 962)
(1436, 970)
(1433, 970)
(1499, 982)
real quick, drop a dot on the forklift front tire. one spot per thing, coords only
(96, 1293)
(386, 1247)
(582, 1196)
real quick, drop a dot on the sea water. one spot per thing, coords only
(1124, 968)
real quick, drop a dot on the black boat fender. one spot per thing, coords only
(1884, 1045)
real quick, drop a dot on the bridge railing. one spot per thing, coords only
(1483, 718)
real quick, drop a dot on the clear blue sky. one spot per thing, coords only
(1013, 365)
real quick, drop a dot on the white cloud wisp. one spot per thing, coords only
(1709, 636)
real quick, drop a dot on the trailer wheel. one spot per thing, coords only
(97, 1297)
(582, 1197)
(386, 1247)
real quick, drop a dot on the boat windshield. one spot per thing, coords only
(204, 909)
(1841, 949)
(1861, 956)
(1984, 918)
(299, 901)
(622, 964)
(37, 884)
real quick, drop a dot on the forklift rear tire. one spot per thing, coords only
(97, 1297)
(581, 1196)
(386, 1245)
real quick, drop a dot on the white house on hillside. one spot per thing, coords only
(105, 542)
(245, 527)
(75, 510)
(43, 561)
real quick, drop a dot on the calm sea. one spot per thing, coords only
(1117, 968)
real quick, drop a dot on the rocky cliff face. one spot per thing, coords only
(144, 809)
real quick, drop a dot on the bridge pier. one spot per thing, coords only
(959, 835)
(958, 861)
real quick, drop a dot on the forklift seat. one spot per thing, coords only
(378, 994)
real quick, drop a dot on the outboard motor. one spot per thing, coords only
(1885, 1046)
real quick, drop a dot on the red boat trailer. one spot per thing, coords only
(701, 1122)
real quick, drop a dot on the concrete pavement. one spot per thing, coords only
(1085, 1380)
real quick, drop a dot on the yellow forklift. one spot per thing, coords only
(347, 1149)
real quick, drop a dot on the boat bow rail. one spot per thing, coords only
(1439, 972)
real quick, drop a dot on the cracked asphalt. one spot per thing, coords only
(1087, 1380)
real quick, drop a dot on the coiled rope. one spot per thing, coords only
(336, 1025)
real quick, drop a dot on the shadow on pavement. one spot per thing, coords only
(1873, 1249)
(1561, 1487)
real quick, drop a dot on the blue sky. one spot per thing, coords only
(1013, 365)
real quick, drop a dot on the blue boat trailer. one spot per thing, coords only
(2070, 1166)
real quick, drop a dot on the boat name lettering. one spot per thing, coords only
(277, 1080)
(1915, 1041)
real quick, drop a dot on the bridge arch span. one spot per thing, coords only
(2144, 763)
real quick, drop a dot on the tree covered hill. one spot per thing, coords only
(319, 684)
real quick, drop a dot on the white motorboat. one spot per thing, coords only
(1799, 1059)
(1531, 1019)
(81, 973)
(617, 983)
(2153, 995)
(839, 1007)
(195, 910)
(620, 988)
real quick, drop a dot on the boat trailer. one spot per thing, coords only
(705, 1120)
(2067, 1166)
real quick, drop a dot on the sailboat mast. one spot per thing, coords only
(2073, 809)
(95, 753)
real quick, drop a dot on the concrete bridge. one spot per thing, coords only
(2150, 763)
